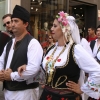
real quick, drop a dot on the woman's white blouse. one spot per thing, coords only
(85, 63)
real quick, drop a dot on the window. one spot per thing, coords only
(42, 14)
(2, 12)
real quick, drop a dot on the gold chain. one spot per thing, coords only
(50, 63)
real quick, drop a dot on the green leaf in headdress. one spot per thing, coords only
(57, 16)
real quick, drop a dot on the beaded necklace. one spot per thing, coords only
(50, 63)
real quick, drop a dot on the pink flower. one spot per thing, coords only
(65, 19)
(62, 19)
(61, 13)
(59, 19)
(64, 23)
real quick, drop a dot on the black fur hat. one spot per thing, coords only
(21, 13)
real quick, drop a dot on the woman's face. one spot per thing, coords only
(56, 30)
(50, 39)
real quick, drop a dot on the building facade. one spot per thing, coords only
(42, 12)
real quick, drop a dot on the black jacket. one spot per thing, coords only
(4, 38)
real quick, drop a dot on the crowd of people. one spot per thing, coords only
(62, 64)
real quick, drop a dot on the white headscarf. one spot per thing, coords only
(74, 29)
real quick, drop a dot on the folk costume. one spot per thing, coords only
(15, 58)
(95, 48)
(96, 54)
(27, 51)
(65, 63)
(84, 43)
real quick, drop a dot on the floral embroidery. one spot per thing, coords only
(47, 58)
(62, 98)
(91, 84)
(59, 60)
(50, 64)
(49, 97)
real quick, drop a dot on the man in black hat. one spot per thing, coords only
(23, 50)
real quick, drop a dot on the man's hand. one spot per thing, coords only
(21, 69)
(2, 75)
(7, 74)
(74, 87)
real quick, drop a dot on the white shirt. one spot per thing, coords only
(85, 63)
(95, 49)
(84, 43)
(34, 55)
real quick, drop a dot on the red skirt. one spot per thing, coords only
(48, 95)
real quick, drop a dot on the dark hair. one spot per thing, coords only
(98, 27)
(7, 15)
(92, 28)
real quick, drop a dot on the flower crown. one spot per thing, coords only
(62, 18)
(69, 28)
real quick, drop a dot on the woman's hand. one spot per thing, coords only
(21, 69)
(74, 87)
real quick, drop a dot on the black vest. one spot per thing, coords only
(68, 72)
(19, 58)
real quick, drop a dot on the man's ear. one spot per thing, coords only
(26, 24)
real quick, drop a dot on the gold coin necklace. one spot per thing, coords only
(50, 63)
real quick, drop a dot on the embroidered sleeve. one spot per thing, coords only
(89, 65)
(92, 85)
(91, 88)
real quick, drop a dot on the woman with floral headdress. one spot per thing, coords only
(64, 61)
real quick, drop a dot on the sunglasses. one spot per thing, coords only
(6, 23)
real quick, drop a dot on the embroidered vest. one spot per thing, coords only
(69, 72)
(19, 58)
